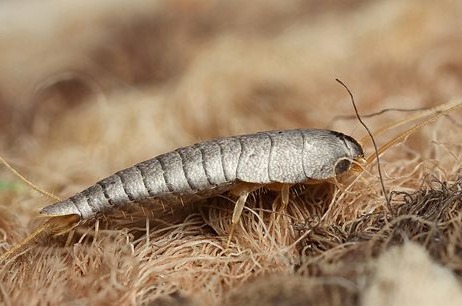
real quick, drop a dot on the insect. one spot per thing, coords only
(238, 164)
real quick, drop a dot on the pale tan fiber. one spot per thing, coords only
(88, 88)
(410, 264)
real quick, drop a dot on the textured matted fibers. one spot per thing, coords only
(88, 88)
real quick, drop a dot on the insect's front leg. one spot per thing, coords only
(283, 190)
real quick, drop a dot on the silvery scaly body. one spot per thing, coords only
(216, 166)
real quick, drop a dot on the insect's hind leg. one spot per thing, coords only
(242, 191)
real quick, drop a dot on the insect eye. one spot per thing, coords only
(342, 166)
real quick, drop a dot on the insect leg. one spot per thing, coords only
(242, 191)
(284, 196)
(283, 190)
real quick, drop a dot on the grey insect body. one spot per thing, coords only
(216, 166)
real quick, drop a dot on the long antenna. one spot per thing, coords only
(379, 168)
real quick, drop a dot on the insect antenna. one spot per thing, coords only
(442, 109)
(370, 115)
(438, 111)
(376, 150)
(421, 113)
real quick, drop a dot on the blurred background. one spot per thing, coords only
(112, 71)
